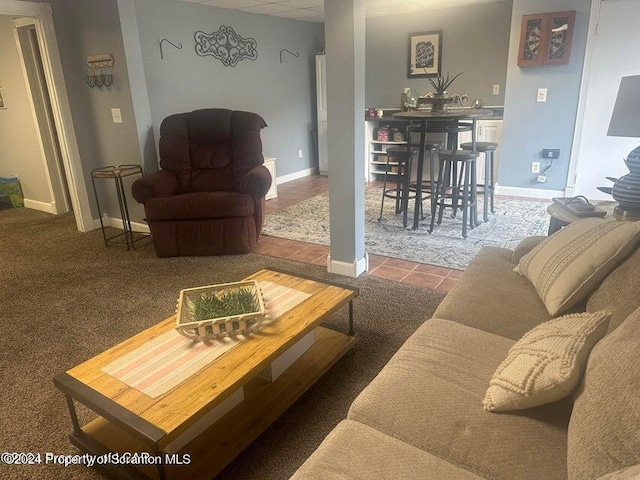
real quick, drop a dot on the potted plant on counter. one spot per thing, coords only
(440, 84)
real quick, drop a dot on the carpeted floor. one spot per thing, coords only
(64, 298)
(513, 220)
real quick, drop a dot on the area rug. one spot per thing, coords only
(512, 221)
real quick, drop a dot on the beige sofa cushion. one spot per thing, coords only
(604, 432)
(631, 473)
(525, 246)
(353, 451)
(430, 395)
(547, 363)
(618, 293)
(485, 297)
(571, 263)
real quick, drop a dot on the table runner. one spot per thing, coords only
(161, 364)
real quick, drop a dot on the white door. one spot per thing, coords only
(617, 43)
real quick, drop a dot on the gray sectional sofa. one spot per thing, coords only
(422, 416)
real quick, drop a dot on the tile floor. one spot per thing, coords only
(403, 271)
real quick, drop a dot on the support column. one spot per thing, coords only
(345, 49)
(138, 84)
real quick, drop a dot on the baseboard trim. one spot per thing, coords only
(353, 269)
(295, 176)
(528, 192)
(42, 206)
(117, 223)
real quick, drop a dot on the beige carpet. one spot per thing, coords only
(64, 298)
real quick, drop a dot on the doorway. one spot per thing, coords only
(613, 33)
(76, 189)
(42, 110)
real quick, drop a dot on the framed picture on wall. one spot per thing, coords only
(2, 104)
(425, 54)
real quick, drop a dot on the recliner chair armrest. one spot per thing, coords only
(256, 182)
(154, 185)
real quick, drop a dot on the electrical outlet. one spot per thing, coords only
(542, 95)
(116, 115)
(496, 89)
(535, 167)
(300, 153)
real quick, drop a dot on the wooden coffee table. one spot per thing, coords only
(131, 422)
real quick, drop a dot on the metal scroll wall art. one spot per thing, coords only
(226, 45)
(99, 70)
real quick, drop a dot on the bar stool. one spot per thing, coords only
(488, 187)
(432, 148)
(451, 130)
(449, 163)
(403, 156)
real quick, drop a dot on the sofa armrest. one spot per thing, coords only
(256, 182)
(154, 185)
(524, 247)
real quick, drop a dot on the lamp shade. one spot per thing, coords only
(625, 120)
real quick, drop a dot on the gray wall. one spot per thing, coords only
(20, 153)
(89, 28)
(530, 126)
(283, 94)
(475, 41)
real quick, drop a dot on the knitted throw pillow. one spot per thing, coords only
(569, 264)
(546, 364)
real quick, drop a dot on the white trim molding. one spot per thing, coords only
(528, 192)
(42, 206)
(117, 223)
(295, 175)
(354, 269)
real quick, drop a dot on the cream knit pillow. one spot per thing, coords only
(546, 364)
(568, 265)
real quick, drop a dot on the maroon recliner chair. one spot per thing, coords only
(208, 197)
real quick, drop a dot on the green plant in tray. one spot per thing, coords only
(440, 83)
(223, 304)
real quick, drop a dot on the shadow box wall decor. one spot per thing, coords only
(425, 54)
(545, 39)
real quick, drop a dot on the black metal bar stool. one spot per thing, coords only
(432, 148)
(452, 130)
(402, 156)
(451, 187)
(488, 186)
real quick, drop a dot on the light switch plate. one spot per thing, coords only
(116, 115)
(542, 95)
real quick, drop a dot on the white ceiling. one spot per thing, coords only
(313, 10)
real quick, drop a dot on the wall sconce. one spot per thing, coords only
(99, 70)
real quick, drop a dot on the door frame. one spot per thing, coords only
(53, 173)
(574, 162)
(52, 65)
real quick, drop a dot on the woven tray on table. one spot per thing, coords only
(220, 327)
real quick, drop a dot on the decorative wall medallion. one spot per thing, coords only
(226, 45)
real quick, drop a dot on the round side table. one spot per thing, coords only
(561, 217)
